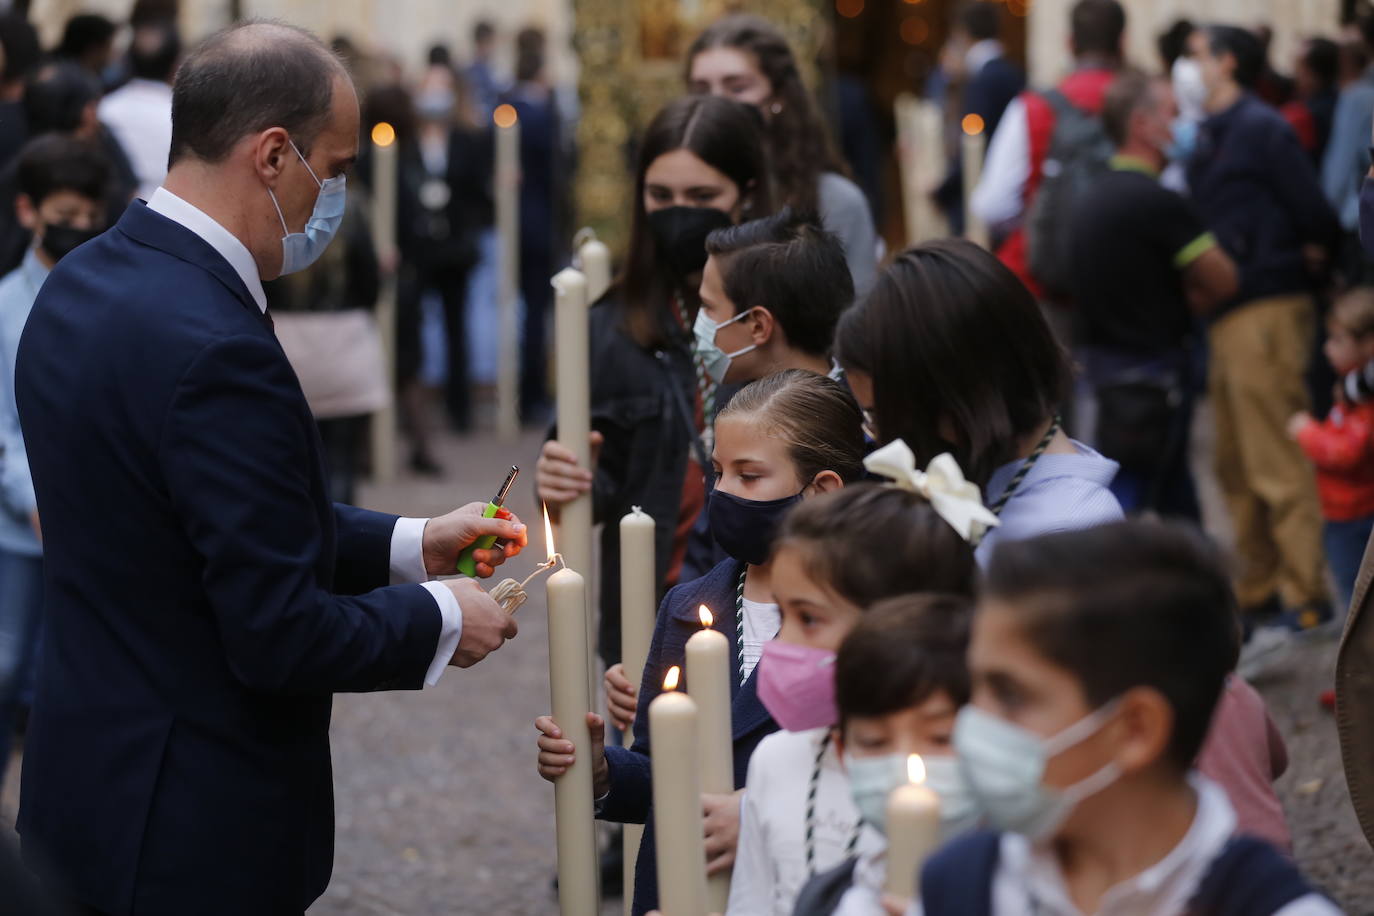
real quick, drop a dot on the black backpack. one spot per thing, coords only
(1078, 155)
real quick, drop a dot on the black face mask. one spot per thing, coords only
(745, 528)
(680, 234)
(60, 241)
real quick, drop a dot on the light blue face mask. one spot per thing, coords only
(872, 779)
(301, 249)
(717, 360)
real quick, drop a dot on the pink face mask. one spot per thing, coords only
(797, 685)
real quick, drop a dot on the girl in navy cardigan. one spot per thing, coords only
(781, 440)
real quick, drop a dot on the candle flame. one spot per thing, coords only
(973, 124)
(505, 116)
(548, 533)
(915, 769)
(707, 618)
(383, 134)
(673, 676)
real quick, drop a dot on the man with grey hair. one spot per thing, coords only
(204, 599)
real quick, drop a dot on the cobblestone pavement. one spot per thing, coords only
(440, 810)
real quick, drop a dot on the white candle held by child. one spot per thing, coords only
(708, 683)
(507, 188)
(913, 830)
(578, 869)
(638, 608)
(673, 722)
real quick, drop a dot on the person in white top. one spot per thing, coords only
(139, 113)
(1097, 659)
(900, 678)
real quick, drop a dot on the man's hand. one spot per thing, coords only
(722, 830)
(556, 753)
(622, 697)
(449, 535)
(485, 626)
(558, 478)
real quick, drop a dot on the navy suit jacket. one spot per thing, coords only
(631, 795)
(203, 597)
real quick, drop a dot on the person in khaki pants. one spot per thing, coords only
(1259, 353)
(1259, 195)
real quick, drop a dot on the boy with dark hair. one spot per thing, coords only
(1097, 659)
(771, 295)
(900, 678)
(61, 197)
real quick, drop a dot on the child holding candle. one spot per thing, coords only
(701, 167)
(800, 819)
(1096, 660)
(900, 678)
(781, 441)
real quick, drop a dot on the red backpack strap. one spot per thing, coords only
(1040, 126)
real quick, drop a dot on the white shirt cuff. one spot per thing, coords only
(450, 630)
(407, 551)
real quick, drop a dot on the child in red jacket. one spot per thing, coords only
(1342, 445)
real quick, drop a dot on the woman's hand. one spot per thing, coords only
(722, 829)
(622, 697)
(556, 753)
(558, 477)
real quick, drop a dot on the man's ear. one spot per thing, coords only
(762, 326)
(26, 212)
(270, 149)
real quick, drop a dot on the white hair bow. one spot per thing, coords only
(942, 483)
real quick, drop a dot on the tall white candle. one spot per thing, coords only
(638, 608)
(507, 186)
(383, 427)
(578, 870)
(573, 380)
(913, 830)
(708, 682)
(974, 144)
(594, 260)
(677, 802)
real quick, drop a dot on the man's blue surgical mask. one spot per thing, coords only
(301, 249)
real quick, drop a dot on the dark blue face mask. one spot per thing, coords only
(1367, 216)
(745, 528)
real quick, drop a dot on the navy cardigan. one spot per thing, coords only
(630, 799)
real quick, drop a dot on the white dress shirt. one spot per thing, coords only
(407, 538)
(1029, 880)
(139, 114)
(761, 623)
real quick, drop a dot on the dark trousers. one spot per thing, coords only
(1345, 543)
(21, 604)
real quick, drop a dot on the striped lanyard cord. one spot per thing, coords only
(1025, 467)
(739, 623)
(811, 790)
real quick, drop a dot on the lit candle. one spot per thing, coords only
(383, 426)
(594, 260)
(507, 182)
(638, 608)
(974, 144)
(913, 830)
(708, 682)
(677, 802)
(573, 379)
(578, 870)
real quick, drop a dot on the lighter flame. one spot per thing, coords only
(706, 617)
(915, 769)
(548, 533)
(505, 116)
(673, 676)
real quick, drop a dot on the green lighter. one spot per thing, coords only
(467, 566)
